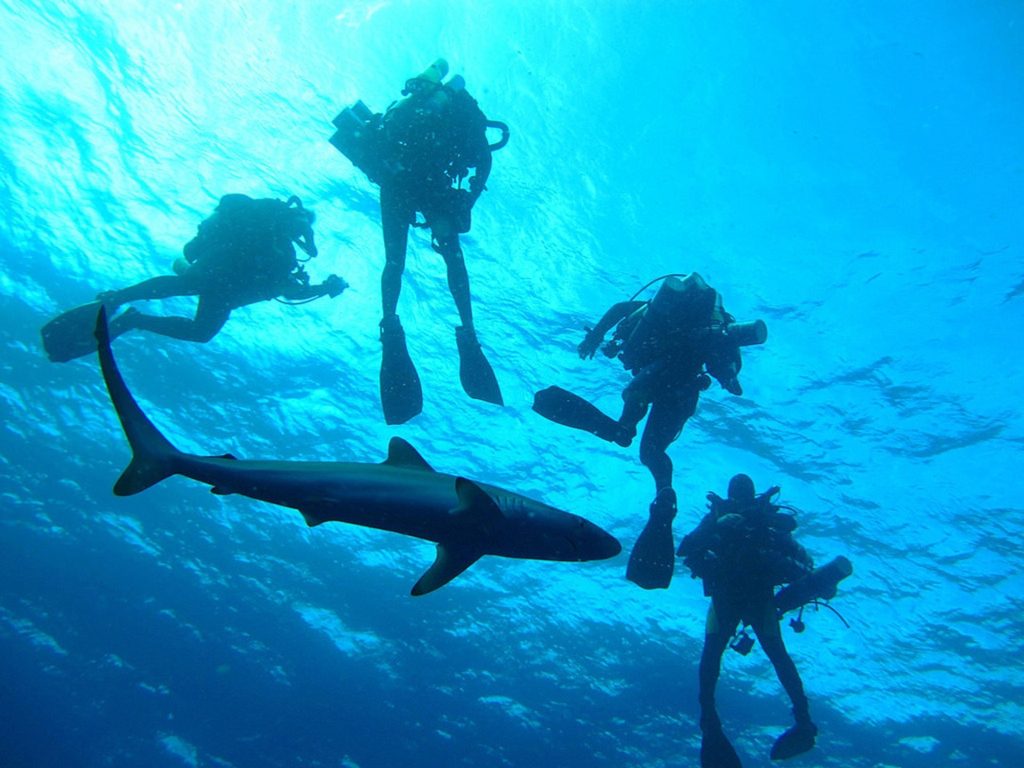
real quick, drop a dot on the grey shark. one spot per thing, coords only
(403, 494)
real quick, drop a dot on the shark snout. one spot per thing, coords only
(594, 543)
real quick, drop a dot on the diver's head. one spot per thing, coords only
(428, 79)
(741, 488)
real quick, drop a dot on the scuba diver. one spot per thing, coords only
(670, 344)
(742, 549)
(420, 151)
(241, 254)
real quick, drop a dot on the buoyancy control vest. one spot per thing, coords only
(437, 134)
(744, 543)
(250, 240)
(670, 324)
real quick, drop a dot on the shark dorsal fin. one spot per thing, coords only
(475, 502)
(452, 559)
(402, 454)
(313, 516)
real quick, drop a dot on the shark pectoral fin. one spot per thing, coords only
(452, 559)
(402, 454)
(475, 502)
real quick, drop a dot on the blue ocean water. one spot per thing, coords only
(852, 174)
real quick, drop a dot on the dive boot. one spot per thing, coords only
(795, 741)
(401, 395)
(475, 372)
(568, 409)
(715, 749)
(653, 557)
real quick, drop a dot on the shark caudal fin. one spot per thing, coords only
(152, 453)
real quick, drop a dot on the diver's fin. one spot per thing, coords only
(452, 559)
(401, 395)
(795, 741)
(475, 373)
(653, 557)
(71, 334)
(571, 410)
(717, 752)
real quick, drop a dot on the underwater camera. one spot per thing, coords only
(743, 643)
(357, 138)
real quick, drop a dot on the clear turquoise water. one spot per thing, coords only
(854, 176)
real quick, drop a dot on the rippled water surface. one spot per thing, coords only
(853, 176)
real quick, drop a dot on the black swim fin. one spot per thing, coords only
(71, 334)
(401, 395)
(564, 407)
(795, 741)
(653, 557)
(475, 373)
(716, 751)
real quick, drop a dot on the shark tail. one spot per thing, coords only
(153, 455)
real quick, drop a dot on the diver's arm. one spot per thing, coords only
(699, 538)
(478, 182)
(595, 335)
(724, 363)
(297, 291)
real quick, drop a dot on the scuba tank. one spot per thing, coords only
(382, 144)
(679, 307)
(685, 309)
(746, 334)
(819, 584)
(360, 134)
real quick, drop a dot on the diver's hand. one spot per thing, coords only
(334, 285)
(732, 386)
(476, 188)
(589, 345)
(732, 521)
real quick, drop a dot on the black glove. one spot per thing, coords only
(334, 285)
(589, 345)
(732, 386)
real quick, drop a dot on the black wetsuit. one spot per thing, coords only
(240, 255)
(741, 552)
(667, 379)
(432, 139)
